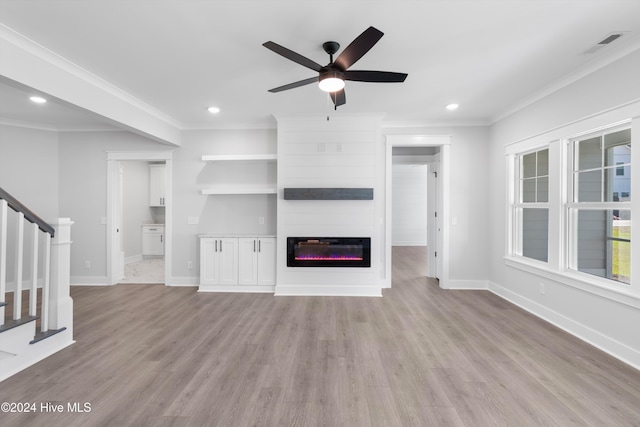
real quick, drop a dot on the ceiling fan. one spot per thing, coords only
(331, 77)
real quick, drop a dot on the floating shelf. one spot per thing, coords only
(328, 193)
(239, 157)
(251, 190)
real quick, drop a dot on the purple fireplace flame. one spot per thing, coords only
(329, 252)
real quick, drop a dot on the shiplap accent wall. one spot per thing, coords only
(344, 152)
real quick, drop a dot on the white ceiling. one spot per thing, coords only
(181, 56)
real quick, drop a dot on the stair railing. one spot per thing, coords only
(55, 266)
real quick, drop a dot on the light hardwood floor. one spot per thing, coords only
(158, 356)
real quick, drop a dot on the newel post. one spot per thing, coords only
(60, 302)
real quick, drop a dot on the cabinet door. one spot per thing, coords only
(208, 258)
(156, 185)
(228, 261)
(267, 261)
(248, 261)
(152, 244)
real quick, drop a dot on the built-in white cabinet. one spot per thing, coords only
(257, 261)
(218, 260)
(237, 264)
(153, 239)
(156, 185)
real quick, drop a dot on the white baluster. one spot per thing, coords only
(33, 293)
(17, 295)
(3, 257)
(44, 320)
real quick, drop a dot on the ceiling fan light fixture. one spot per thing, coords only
(331, 81)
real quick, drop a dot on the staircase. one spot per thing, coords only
(36, 309)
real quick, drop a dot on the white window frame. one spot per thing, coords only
(572, 207)
(518, 205)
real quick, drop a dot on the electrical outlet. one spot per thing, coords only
(542, 289)
(190, 265)
(261, 220)
(87, 264)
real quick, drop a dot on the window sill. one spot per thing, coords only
(585, 282)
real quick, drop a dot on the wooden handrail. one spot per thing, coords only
(28, 214)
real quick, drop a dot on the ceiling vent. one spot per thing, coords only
(608, 39)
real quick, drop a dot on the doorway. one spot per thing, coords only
(433, 152)
(415, 206)
(143, 221)
(132, 213)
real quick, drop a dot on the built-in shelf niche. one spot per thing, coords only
(229, 188)
(328, 193)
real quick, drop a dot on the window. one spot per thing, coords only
(532, 207)
(599, 208)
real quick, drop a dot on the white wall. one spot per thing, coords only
(29, 168)
(409, 210)
(606, 318)
(468, 202)
(83, 195)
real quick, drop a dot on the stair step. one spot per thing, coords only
(10, 324)
(46, 334)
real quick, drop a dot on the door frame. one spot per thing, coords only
(443, 142)
(113, 163)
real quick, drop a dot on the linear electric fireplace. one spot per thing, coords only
(328, 252)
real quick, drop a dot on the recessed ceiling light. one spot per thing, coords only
(38, 99)
(213, 110)
(452, 107)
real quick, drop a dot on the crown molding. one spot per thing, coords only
(574, 76)
(47, 55)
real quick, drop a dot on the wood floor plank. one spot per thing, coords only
(149, 355)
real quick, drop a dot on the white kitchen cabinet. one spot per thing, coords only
(257, 261)
(267, 261)
(252, 268)
(218, 260)
(153, 239)
(156, 185)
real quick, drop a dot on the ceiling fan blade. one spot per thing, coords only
(293, 56)
(339, 98)
(356, 50)
(294, 85)
(374, 76)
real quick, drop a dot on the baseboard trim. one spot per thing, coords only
(610, 346)
(183, 281)
(236, 288)
(468, 285)
(89, 281)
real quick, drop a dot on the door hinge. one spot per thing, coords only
(436, 174)
(436, 254)
(436, 214)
